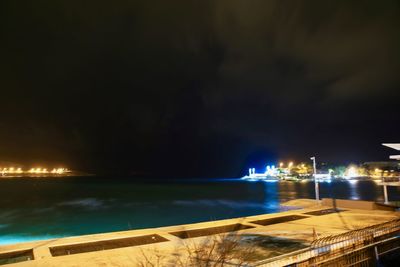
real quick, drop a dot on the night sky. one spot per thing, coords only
(197, 88)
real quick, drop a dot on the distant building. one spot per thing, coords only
(390, 165)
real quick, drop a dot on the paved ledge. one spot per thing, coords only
(318, 218)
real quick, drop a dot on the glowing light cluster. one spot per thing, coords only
(351, 172)
(289, 165)
(271, 171)
(59, 170)
(36, 170)
(11, 170)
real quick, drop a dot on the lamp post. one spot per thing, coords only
(315, 179)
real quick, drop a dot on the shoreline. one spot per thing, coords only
(300, 224)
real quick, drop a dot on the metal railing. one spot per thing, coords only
(361, 247)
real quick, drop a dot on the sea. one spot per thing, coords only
(52, 207)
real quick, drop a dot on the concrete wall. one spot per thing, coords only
(355, 204)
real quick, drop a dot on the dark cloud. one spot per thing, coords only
(197, 87)
(313, 70)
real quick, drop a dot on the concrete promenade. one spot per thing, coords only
(313, 220)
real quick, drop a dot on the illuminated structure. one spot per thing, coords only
(378, 169)
(354, 172)
(289, 171)
(270, 174)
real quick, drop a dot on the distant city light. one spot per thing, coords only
(35, 170)
(271, 171)
(287, 171)
(352, 172)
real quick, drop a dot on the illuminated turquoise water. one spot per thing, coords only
(42, 208)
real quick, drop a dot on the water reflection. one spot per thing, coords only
(272, 198)
(353, 190)
(288, 190)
